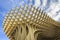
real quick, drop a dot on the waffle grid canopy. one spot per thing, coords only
(26, 22)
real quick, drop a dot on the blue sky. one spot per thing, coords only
(52, 7)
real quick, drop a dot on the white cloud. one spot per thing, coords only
(52, 10)
(37, 3)
(53, 13)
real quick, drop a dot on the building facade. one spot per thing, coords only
(30, 23)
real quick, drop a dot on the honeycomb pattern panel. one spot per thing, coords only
(28, 15)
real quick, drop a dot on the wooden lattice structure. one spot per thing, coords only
(30, 23)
